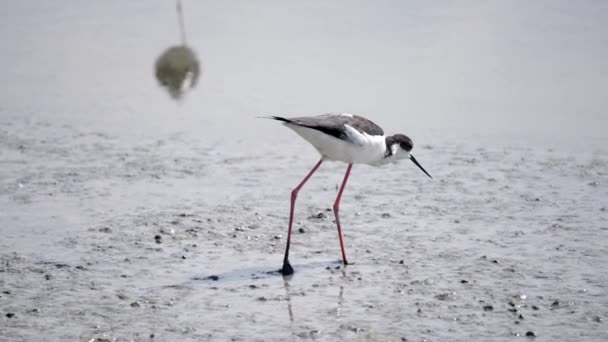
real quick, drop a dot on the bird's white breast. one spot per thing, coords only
(360, 148)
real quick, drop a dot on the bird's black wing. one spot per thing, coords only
(333, 124)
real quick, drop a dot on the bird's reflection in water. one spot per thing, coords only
(178, 69)
(287, 279)
(288, 297)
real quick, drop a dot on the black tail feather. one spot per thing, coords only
(279, 118)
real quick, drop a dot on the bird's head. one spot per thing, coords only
(399, 146)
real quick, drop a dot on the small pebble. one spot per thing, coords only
(534, 307)
(301, 230)
(488, 308)
(320, 215)
(463, 281)
(530, 334)
(402, 261)
(135, 305)
(278, 237)
(385, 215)
(213, 277)
(10, 315)
(158, 238)
(555, 303)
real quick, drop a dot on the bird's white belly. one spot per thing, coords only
(367, 150)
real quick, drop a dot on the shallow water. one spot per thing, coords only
(127, 216)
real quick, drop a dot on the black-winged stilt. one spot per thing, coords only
(347, 138)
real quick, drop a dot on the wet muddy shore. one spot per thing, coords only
(169, 239)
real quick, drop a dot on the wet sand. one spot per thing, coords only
(170, 239)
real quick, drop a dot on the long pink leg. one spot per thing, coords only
(337, 209)
(287, 269)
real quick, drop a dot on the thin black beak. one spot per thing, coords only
(420, 166)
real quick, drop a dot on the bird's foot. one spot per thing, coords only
(287, 269)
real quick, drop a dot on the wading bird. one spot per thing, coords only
(347, 138)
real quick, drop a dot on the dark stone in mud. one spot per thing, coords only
(48, 277)
(135, 305)
(158, 238)
(402, 262)
(555, 304)
(6, 292)
(278, 237)
(520, 316)
(213, 277)
(495, 261)
(320, 215)
(445, 296)
(122, 296)
(301, 230)
(385, 215)
(530, 334)
(535, 308)
(463, 281)
(488, 308)
(10, 315)
(262, 299)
